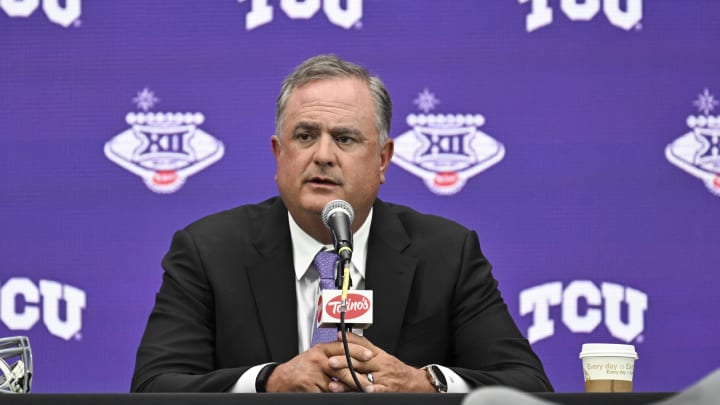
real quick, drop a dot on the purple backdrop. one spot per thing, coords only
(580, 139)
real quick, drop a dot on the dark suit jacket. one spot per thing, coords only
(227, 302)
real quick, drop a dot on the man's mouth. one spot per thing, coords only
(323, 181)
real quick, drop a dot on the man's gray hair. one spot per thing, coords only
(328, 67)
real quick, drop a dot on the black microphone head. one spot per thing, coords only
(335, 206)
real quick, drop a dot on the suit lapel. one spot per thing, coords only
(272, 281)
(389, 273)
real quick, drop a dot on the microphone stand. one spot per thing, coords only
(343, 282)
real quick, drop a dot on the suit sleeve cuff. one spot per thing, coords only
(246, 383)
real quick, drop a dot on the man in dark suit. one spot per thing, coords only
(235, 309)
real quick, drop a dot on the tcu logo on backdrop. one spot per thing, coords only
(163, 148)
(24, 313)
(584, 10)
(261, 12)
(55, 12)
(604, 302)
(698, 151)
(445, 150)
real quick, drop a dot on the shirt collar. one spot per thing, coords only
(305, 247)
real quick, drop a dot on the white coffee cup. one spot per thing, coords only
(608, 367)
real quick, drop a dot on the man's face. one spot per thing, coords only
(328, 148)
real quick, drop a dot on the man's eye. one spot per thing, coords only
(344, 139)
(303, 136)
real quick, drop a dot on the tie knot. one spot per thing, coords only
(325, 264)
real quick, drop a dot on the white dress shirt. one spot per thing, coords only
(307, 287)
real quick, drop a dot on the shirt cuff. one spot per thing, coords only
(455, 383)
(246, 383)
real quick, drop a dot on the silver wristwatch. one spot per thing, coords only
(437, 378)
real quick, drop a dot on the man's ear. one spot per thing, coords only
(276, 146)
(385, 156)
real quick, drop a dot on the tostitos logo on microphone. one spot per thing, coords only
(445, 150)
(698, 151)
(164, 149)
(357, 305)
(358, 310)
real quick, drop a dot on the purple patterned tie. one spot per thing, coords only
(325, 265)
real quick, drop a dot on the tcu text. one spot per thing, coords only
(262, 13)
(584, 10)
(55, 12)
(605, 302)
(21, 302)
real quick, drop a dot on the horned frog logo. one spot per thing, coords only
(698, 151)
(445, 150)
(164, 149)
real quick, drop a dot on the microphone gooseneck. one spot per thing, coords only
(338, 215)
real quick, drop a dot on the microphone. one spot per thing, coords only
(342, 306)
(338, 216)
(338, 306)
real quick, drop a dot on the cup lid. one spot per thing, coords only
(608, 350)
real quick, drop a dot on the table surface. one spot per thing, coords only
(315, 399)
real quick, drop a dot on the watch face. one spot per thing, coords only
(438, 378)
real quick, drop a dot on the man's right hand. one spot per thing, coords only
(309, 371)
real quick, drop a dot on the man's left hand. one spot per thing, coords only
(382, 373)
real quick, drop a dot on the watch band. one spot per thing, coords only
(263, 376)
(437, 378)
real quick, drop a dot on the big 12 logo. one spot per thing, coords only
(584, 10)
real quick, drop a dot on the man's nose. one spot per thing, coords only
(325, 151)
